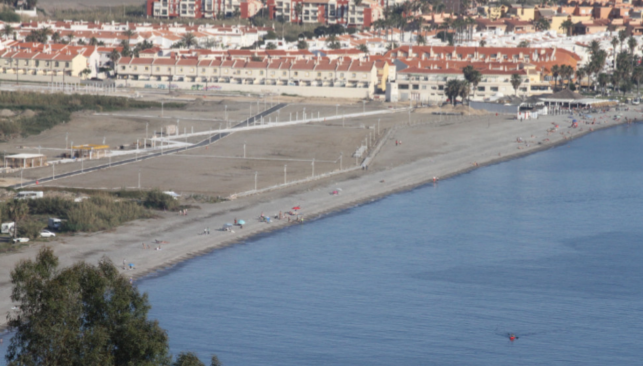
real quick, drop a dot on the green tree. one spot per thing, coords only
(187, 359)
(271, 46)
(17, 210)
(567, 25)
(453, 89)
(55, 37)
(580, 74)
(516, 80)
(364, 48)
(524, 44)
(81, 315)
(333, 43)
(93, 41)
(7, 31)
(542, 24)
(113, 57)
(483, 43)
(622, 36)
(420, 40)
(637, 76)
(215, 361)
(302, 45)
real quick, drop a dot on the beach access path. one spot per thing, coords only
(434, 149)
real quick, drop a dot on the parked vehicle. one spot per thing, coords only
(21, 240)
(47, 234)
(26, 195)
(7, 227)
(54, 223)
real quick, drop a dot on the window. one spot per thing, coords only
(494, 88)
(353, 75)
(202, 70)
(37, 63)
(284, 73)
(416, 87)
(66, 64)
(296, 73)
(341, 75)
(404, 86)
(122, 67)
(147, 68)
(135, 68)
(26, 62)
(169, 69)
(261, 72)
(319, 74)
(481, 88)
(423, 87)
(158, 68)
(181, 70)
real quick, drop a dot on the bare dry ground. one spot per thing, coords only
(220, 169)
(50, 5)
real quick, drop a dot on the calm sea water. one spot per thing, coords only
(549, 246)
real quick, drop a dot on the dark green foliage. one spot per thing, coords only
(187, 359)
(215, 361)
(101, 213)
(52, 109)
(81, 315)
(160, 201)
(9, 16)
(30, 229)
(445, 36)
(51, 206)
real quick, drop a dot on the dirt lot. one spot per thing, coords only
(219, 169)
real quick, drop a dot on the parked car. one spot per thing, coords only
(21, 240)
(47, 234)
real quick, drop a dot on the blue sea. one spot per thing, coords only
(549, 247)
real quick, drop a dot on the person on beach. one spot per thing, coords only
(235, 220)
(124, 261)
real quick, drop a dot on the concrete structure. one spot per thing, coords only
(90, 151)
(24, 161)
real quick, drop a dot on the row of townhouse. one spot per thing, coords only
(303, 73)
(43, 65)
(543, 58)
(426, 82)
(202, 8)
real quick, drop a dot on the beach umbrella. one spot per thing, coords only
(296, 208)
(573, 120)
(241, 222)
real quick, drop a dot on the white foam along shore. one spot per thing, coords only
(469, 144)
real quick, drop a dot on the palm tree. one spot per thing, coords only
(637, 76)
(555, 71)
(516, 80)
(420, 40)
(17, 210)
(603, 79)
(473, 76)
(188, 39)
(452, 90)
(580, 74)
(524, 44)
(93, 41)
(622, 35)
(567, 25)
(483, 43)
(614, 42)
(332, 43)
(55, 37)
(113, 57)
(594, 47)
(70, 36)
(363, 47)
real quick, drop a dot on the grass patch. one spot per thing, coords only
(53, 109)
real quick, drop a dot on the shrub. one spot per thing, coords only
(30, 229)
(101, 213)
(52, 206)
(9, 16)
(160, 201)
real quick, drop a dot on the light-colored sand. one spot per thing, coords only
(439, 148)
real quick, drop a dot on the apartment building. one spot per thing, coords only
(427, 83)
(345, 12)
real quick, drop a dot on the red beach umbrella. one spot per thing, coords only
(296, 208)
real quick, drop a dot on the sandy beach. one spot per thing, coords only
(436, 149)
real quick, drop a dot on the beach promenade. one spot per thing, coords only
(424, 152)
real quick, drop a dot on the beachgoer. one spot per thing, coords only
(235, 220)
(124, 261)
(143, 245)
(208, 230)
(241, 226)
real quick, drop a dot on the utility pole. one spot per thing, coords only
(162, 109)
(285, 174)
(244, 150)
(139, 179)
(53, 174)
(255, 181)
(313, 164)
(146, 125)
(341, 155)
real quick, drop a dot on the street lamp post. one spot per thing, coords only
(313, 164)
(336, 110)
(255, 181)
(285, 174)
(364, 106)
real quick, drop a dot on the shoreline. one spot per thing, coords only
(369, 187)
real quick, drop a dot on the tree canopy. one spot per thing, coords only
(82, 315)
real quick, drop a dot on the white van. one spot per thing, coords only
(29, 195)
